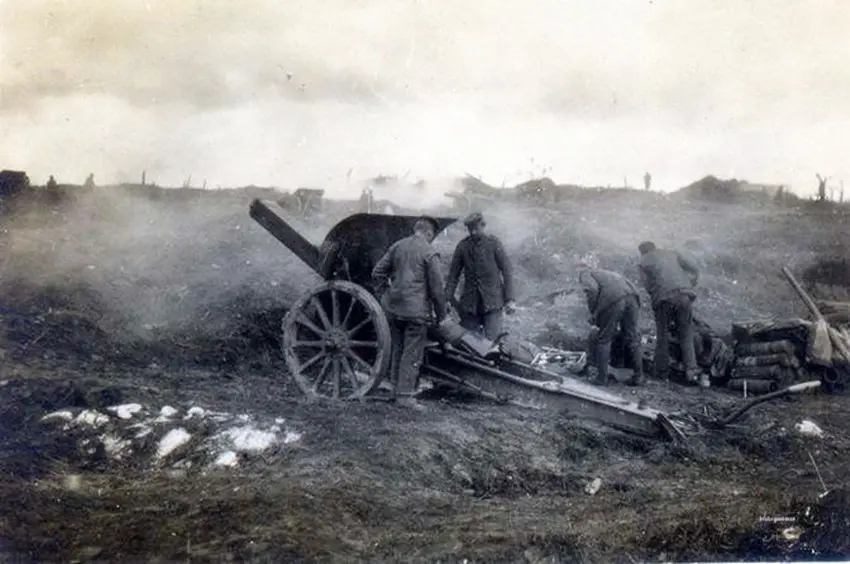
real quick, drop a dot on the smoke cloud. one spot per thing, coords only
(328, 93)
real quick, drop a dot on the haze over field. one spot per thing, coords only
(330, 92)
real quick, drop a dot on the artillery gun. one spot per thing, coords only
(336, 337)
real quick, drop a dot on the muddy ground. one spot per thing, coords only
(115, 299)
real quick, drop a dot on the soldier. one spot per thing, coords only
(412, 268)
(647, 181)
(51, 184)
(614, 305)
(669, 279)
(488, 286)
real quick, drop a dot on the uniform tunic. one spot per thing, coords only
(487, 275)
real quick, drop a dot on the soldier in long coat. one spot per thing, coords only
(488, 285)
(410, 284)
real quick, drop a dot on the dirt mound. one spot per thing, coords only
(712, 189)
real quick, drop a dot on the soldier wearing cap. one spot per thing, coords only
(411, 270)
(488, 286)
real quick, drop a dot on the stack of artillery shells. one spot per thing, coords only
(765, 367)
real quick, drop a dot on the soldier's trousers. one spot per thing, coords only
(491, 322)
(679, 310)
(408, 351)
(619, 317)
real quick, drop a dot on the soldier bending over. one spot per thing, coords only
(614, 305)
(669, 279)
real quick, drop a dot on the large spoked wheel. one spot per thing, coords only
(336, 341)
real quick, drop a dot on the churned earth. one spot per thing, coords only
(147, 413)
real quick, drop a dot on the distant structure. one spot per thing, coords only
(13, 183)
(52, 186)
(647, 181)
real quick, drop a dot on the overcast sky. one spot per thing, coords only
(301, 92)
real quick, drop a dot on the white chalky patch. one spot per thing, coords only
(227, 458)
(195, 412)
(91, 417)
(172, 440)
(125, 411)
(291, 437)
(62, 415)
(809, 429)
(115, 446)
(250, 439)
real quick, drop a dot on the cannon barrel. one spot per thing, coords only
(266, 214)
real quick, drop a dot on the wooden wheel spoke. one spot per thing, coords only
(370, 344)
(334, 308)
(312, 361)
(359, 326)
(349, 370)
(337, 378)
(359, 360)
(309, 344)
(323, 373)
(303, 320)
(323, 315)
(348, 313)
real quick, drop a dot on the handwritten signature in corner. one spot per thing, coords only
(766, 519)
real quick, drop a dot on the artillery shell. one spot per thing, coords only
(757, 387)
(762, 349)
(772, 372)
(768, 359)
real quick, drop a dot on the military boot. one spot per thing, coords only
(409, 403)
(595, 376)
(637, 379)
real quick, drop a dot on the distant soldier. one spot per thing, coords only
(614, 305)
(488, 286)
(670, 278)
(411, 266)
(821, 187)
(89, 183)
(366, 200)
(647, 181)
(52, 186)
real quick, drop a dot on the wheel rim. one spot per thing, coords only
(336, 341)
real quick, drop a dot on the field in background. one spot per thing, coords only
(174, 298)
